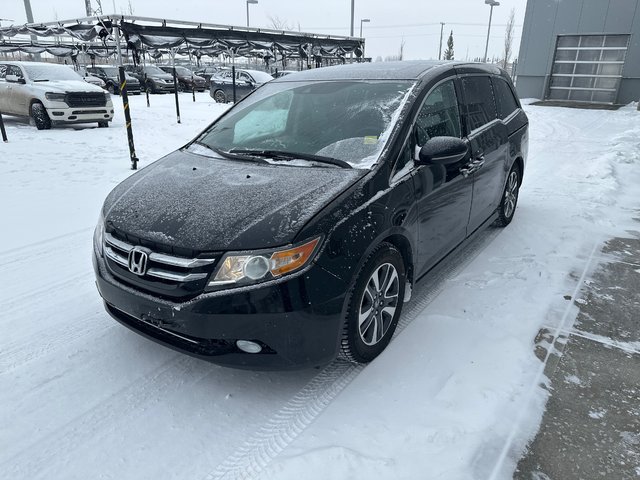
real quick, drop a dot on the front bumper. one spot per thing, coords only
(297, 321)
(68, 115)
(163, 87)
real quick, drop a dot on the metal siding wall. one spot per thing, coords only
(620, 16)
(540, 40)
(632, 63)
(592, 16)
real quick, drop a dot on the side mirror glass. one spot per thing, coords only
(442, 151)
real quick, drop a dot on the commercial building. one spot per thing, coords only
(580, 51)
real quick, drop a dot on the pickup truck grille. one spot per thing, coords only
(86, 99)
(166, 275)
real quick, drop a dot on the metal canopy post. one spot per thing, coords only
(125, 101)
(4, 132)
(175, 82)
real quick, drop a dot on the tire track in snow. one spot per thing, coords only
(17, 353)
(42, 294)
(104, 418)
(25, 252)
(299, 412)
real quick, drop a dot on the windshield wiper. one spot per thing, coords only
(42, 80)
(286, 156)
(231, 155)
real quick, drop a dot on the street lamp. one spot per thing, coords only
(364, 20)
(252, 2)
(493, 3)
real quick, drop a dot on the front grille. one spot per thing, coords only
(168, 275)
(86, 99)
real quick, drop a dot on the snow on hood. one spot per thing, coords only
(63, 86)
(208, 204)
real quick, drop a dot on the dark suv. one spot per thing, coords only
(221, 86)
(289, 231)
(187, 80)
(111, 77)
(152, 78)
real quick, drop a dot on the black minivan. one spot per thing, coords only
(290, 230)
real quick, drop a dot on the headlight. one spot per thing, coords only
(98, 235)
(250, 268)
(55, 97)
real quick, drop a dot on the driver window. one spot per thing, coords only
(439, 115)
(244, 77)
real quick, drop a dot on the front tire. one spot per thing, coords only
(509, 201)
(40, 117)
(219, 96)
(103, 124)
(375, 305)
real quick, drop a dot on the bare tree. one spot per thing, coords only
(276, 23)
(130, 8)
(401, 52)
(508, 39)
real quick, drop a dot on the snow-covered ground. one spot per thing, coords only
(456, 391)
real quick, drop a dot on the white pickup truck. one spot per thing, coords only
(51, 94)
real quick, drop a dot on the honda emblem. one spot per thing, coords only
(138, 259)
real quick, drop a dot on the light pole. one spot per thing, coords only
(440, 47)
(493, 3)
(252, 2)
(363, 20)
(352, 8)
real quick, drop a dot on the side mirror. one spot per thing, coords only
(15, 79)
(442, 151)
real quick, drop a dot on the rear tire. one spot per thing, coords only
(375, 305)
(509, 201)
(111, 89)
(40, 117)
(103, 124)
(219, 96)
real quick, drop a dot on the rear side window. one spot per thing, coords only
(480, 107)
(505, 100)
(3, 71)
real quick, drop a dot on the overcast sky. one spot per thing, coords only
(415, 21)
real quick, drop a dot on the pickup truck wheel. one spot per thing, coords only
(375, 304)
(40, 117)
(509, 198)
(219, 96)
(103, 124)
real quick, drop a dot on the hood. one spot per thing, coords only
(163, 76)
(209, 204)
(63, 86)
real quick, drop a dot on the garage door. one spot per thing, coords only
(588, 68)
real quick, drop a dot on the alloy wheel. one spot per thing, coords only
(378, 304)
(511, 194)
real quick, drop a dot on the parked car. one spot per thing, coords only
(290, 230)
(282, 73)
(152, 78)
(211, 71)
(51, 94)
(221, 87)
(111, 76)
(187, 80)
(87, 77)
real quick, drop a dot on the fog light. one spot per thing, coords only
(249, 347)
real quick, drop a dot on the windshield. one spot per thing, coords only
(260, 77)
(344, 120)
(154, 71)
(38, 72)
(183, 71)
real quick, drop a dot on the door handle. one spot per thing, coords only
(473, 166)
